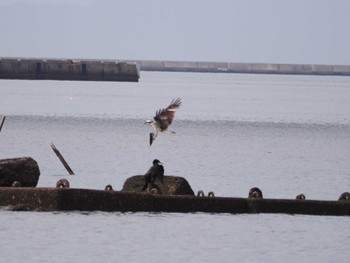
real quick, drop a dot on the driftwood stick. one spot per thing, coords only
(2, 122)
(63, 161)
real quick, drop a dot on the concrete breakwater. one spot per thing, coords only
(254, 68)
(18, 191)
(68, 199)
(68, 69)
(129, 70)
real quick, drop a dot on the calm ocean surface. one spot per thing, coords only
(284, 134)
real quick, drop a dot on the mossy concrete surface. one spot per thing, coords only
(24, 170)
(172, 185)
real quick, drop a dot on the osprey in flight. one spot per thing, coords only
(163, 119)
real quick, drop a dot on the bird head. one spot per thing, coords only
(156, 161)
(149, 122)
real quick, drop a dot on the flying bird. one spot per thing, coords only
(163, 119)
(155, 172)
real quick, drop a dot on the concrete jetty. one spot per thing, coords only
(68, 69)
(252, 68)
(70, 199)
(129, 70)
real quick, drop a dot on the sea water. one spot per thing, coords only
(286, 135)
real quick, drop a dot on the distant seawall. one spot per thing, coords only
(254, 68)
(68, 69)
(129, 70)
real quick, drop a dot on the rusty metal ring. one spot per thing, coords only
(62, 183)
(16, 184)
(200, 193)
(109, 188)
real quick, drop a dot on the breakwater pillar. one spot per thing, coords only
(68, 69)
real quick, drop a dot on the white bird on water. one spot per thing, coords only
(163, 119)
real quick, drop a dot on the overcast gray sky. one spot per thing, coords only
(267, 31)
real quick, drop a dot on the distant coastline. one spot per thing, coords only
(253, 68)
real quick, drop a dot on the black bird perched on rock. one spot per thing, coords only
(155, 172)
(163, 119)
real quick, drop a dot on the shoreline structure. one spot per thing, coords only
(129, 70)
(75, 199)
(252, 68)
(68, 69)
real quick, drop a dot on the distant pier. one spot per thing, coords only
(253, 68)
(68, 69)
(129, 70)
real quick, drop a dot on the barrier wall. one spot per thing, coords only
(256, 68)
(68, 69)
(66, 199)
(127, 70)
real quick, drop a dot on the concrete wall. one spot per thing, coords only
(256, 68)
(127, 70)
(68, 69)
(66, 199)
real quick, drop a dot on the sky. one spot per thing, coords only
(248, 31)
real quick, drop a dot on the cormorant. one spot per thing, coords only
(155, 172)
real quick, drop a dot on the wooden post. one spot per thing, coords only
(63, 161)
(2, 122)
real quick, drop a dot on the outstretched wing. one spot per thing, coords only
(164, 117)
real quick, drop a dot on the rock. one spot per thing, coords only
(24, 170)
(173, 185)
